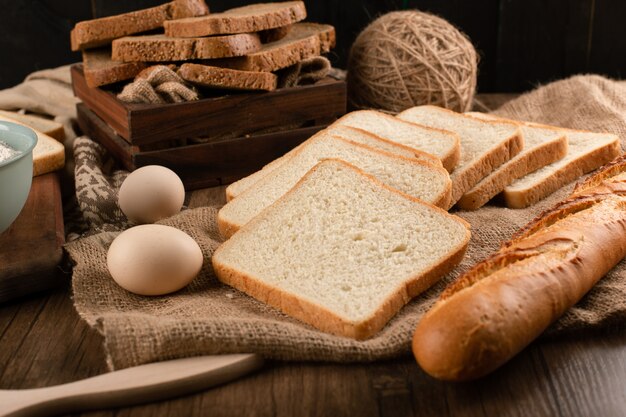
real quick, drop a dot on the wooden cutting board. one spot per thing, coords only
(31, 248)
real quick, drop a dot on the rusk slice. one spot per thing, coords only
(348, 133)
(485, 145)
(99, 32)
(252, 18)
(415, 178)
(48, 154)
(543, 145)
(159, 48)
(217, 77)
(586, 152)
(440, 143)
(341, 251)
(100, 69)
(304, 40)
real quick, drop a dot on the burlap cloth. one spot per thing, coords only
(208, 317)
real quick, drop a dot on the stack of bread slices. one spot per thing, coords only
(238, 49)
(345, 229)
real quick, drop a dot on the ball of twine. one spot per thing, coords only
(409, 58)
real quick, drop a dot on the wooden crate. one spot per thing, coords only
(143, 124)
(143, 134)
(201, 165)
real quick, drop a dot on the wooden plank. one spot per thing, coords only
(541, 41)
(98, 130)
(102, 102)
(43, 342)
(38, 229)
(608, 39)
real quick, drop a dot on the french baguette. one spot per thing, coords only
(501, 305)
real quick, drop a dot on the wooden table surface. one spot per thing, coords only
(43, 342)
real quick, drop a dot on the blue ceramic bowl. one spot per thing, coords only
(16, 173)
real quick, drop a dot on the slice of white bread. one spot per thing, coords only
(48, 154)
(344, 132)
(543, 145)
(416, 178)
(440, 143)
(586, 152)
(342, 251)
(45, 126)
(485, 145)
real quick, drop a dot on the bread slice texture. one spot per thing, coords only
(341, 251)
(224, 78)
(440, 143)
(348, 133)
(485, 145)
(304, 40)
(48, 154)
(586, 152)
(46, 126)
(100, 69)
(246, 19)
(543, 145)
(99, 32)
(418, 179)
(159, 48)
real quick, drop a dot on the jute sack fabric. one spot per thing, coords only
(208, 317)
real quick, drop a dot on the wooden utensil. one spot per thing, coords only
(152, 382)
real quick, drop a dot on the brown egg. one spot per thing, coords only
(151, 193)
(153, 259)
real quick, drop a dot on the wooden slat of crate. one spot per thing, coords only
(201, 165)
(142, 124)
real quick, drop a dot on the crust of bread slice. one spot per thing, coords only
(99, 32)
(246, 19)
(316, 315)
(554, 176)
(240, 210)
(414, 135)
(46, 126)
(100, 69)
(533, 156)
(343, 132)
(304, 40)
(48, 154)
(159, 48)
(472, 167)
(225, 78)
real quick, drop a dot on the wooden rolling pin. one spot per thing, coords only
(152, 382)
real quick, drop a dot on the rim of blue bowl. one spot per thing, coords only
(23, 131)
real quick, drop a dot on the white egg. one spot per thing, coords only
(154, 259)
(151, 193)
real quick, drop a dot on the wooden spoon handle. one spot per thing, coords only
(140, 384)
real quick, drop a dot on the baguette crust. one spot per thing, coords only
(502, 304)
(320, 317)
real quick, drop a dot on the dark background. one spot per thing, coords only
(521, 42)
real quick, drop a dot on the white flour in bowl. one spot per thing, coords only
(6, 152)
